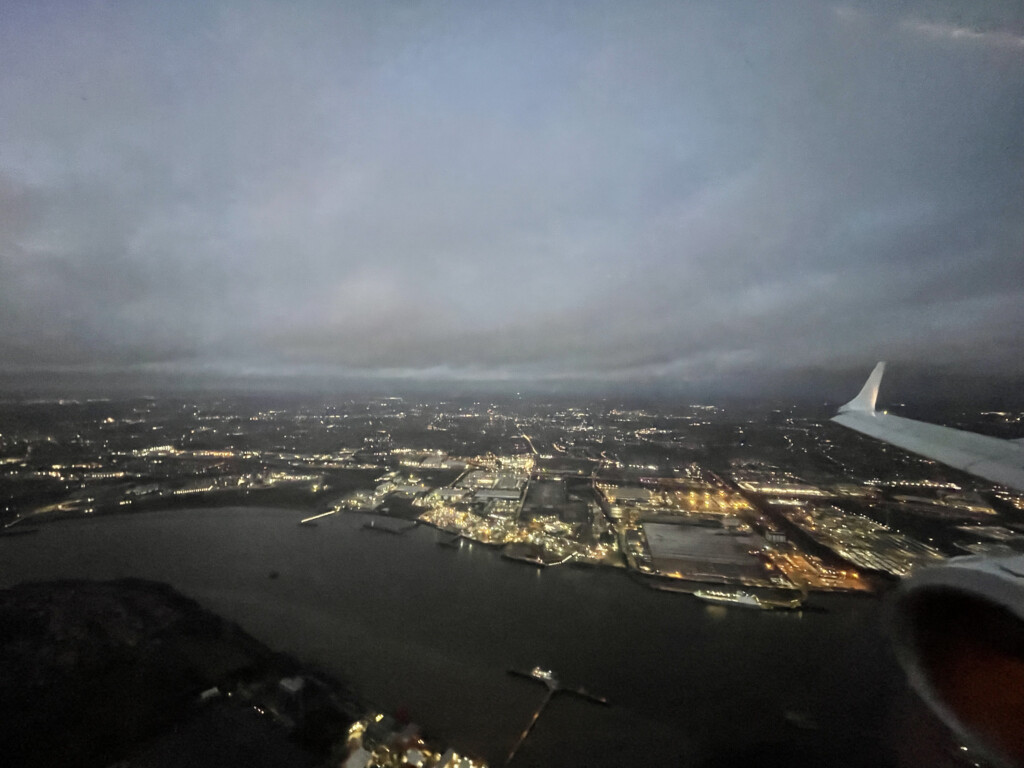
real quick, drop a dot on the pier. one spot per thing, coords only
(384, 527)
(309, 520)
(547, 677)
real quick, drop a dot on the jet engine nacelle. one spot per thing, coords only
(959, 633)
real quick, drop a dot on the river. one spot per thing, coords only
(433, 630)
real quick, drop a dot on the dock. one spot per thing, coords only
(537, 561)
(309, 520)
(384, 527)
(666, 587)
(547, 677)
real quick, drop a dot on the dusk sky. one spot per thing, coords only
(596, 191)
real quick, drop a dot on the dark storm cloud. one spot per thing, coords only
(668, 190)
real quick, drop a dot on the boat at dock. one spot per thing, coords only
(744, 599)
(548, 678)
(543, 674)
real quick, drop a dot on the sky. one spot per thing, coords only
(673, 192)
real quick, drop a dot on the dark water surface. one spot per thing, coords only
(433, 630)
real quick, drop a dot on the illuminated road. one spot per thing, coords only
(528, 440)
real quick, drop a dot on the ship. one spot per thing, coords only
(545, 675)
(745, 599)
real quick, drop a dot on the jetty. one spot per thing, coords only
(387, 526)
(547, 677)
(309, 520)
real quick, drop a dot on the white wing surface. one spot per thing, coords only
(1000, 461)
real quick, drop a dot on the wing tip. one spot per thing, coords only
(864, 402)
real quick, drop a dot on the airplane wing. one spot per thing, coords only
(996, 460)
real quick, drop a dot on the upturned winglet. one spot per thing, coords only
(865, 401)
(992, 458)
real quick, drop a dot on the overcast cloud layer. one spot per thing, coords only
(605, 191)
